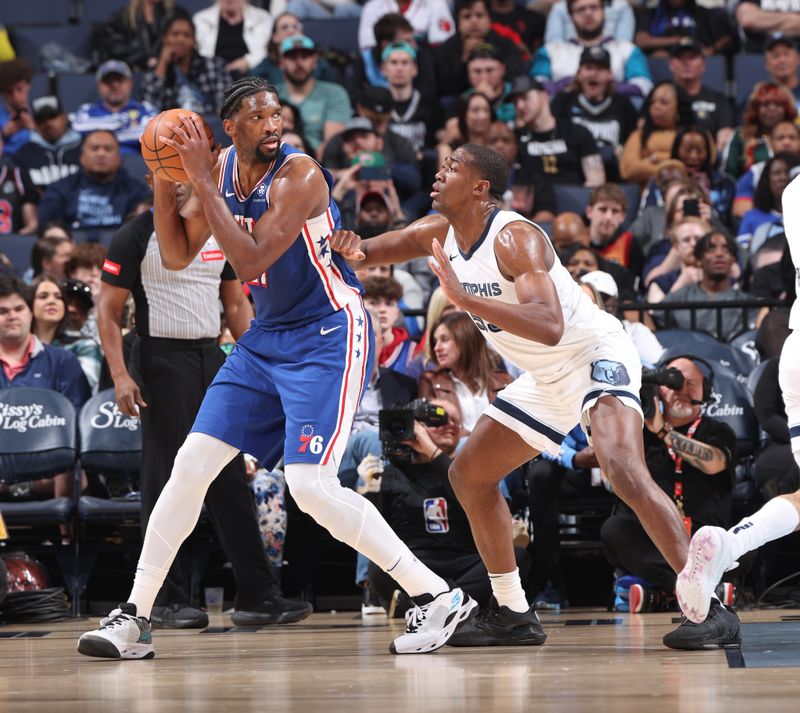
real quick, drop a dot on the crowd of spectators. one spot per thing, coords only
(657, 191)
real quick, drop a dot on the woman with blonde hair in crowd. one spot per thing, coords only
(465, 370)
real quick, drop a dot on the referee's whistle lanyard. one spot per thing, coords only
(678, 488)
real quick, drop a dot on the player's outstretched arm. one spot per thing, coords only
(415, 240)
(523, 256)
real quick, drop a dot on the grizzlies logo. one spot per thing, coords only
(610, 372)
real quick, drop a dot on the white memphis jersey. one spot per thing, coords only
(584, 322)
(791, 225)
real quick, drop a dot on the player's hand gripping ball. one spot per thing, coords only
(164, 161)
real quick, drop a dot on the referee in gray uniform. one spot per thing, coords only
(173, 361)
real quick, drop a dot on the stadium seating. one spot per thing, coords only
(681, 341)
(29, 41)
(747, 70)
(340, 34)
(37, 441)
(35, 12)
(76, 89)
(18, 249)
(715, 76)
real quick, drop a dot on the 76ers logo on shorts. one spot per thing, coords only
(309, 443)
(436, 515)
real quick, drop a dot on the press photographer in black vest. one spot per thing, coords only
(691, 456)
(417, 500)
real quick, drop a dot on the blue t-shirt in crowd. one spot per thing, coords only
(127, 124)
(12, 143)
(83, 202)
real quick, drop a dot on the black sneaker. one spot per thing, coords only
(178, 616)
(719, 630)
(500, 626)
(275, 610)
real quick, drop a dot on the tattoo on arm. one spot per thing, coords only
(696, 453)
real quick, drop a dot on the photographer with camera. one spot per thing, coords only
(417, 499)
(692, 457)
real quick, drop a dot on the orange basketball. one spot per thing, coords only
(164, 161)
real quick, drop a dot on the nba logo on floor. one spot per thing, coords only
(436, 515)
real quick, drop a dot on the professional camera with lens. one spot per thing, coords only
(396, 425)
(670, 377)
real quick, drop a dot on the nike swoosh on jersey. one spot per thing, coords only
(453, 257)
(228, 194)
(323, 331)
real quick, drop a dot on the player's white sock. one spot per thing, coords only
(199, 461)
(776, 519)
(414, 577)
(508, 592)
(354, 520)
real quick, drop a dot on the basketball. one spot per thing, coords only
(164, 161)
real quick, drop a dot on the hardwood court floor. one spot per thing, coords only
(592, 661)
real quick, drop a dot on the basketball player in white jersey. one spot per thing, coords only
(713, 550)
(579, 364)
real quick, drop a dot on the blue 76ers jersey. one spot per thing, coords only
(309, 281)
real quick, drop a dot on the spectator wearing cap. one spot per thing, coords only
(782, 62)
(712, 110)
(474, 27)
(662, 27)
(525, 27)
(54, 149)
(646, 343)
(101, 195)
(556, 64)
(550, 147)
(19, 198)
(412, 117)
(287, 24)
(759, 18)
(374, 107)
(431, 20)
(363, 170)
(590, 100)
(234, 31)
(16, 119)
(116, 111)
(133, 33)
(183, 79)
(620, 21)
(324, 106)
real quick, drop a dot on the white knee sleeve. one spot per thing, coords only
(344, 513)
(199, 461)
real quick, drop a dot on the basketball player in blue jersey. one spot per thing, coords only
(294, 380)
(579, 366)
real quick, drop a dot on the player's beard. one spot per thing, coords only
(266, 156)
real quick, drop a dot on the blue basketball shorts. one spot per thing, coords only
(292, 392)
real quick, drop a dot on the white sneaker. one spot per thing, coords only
(121, 635)
(708, 560)
(433, 621)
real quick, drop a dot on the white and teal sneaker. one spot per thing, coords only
(121, 635)
(433, 620)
